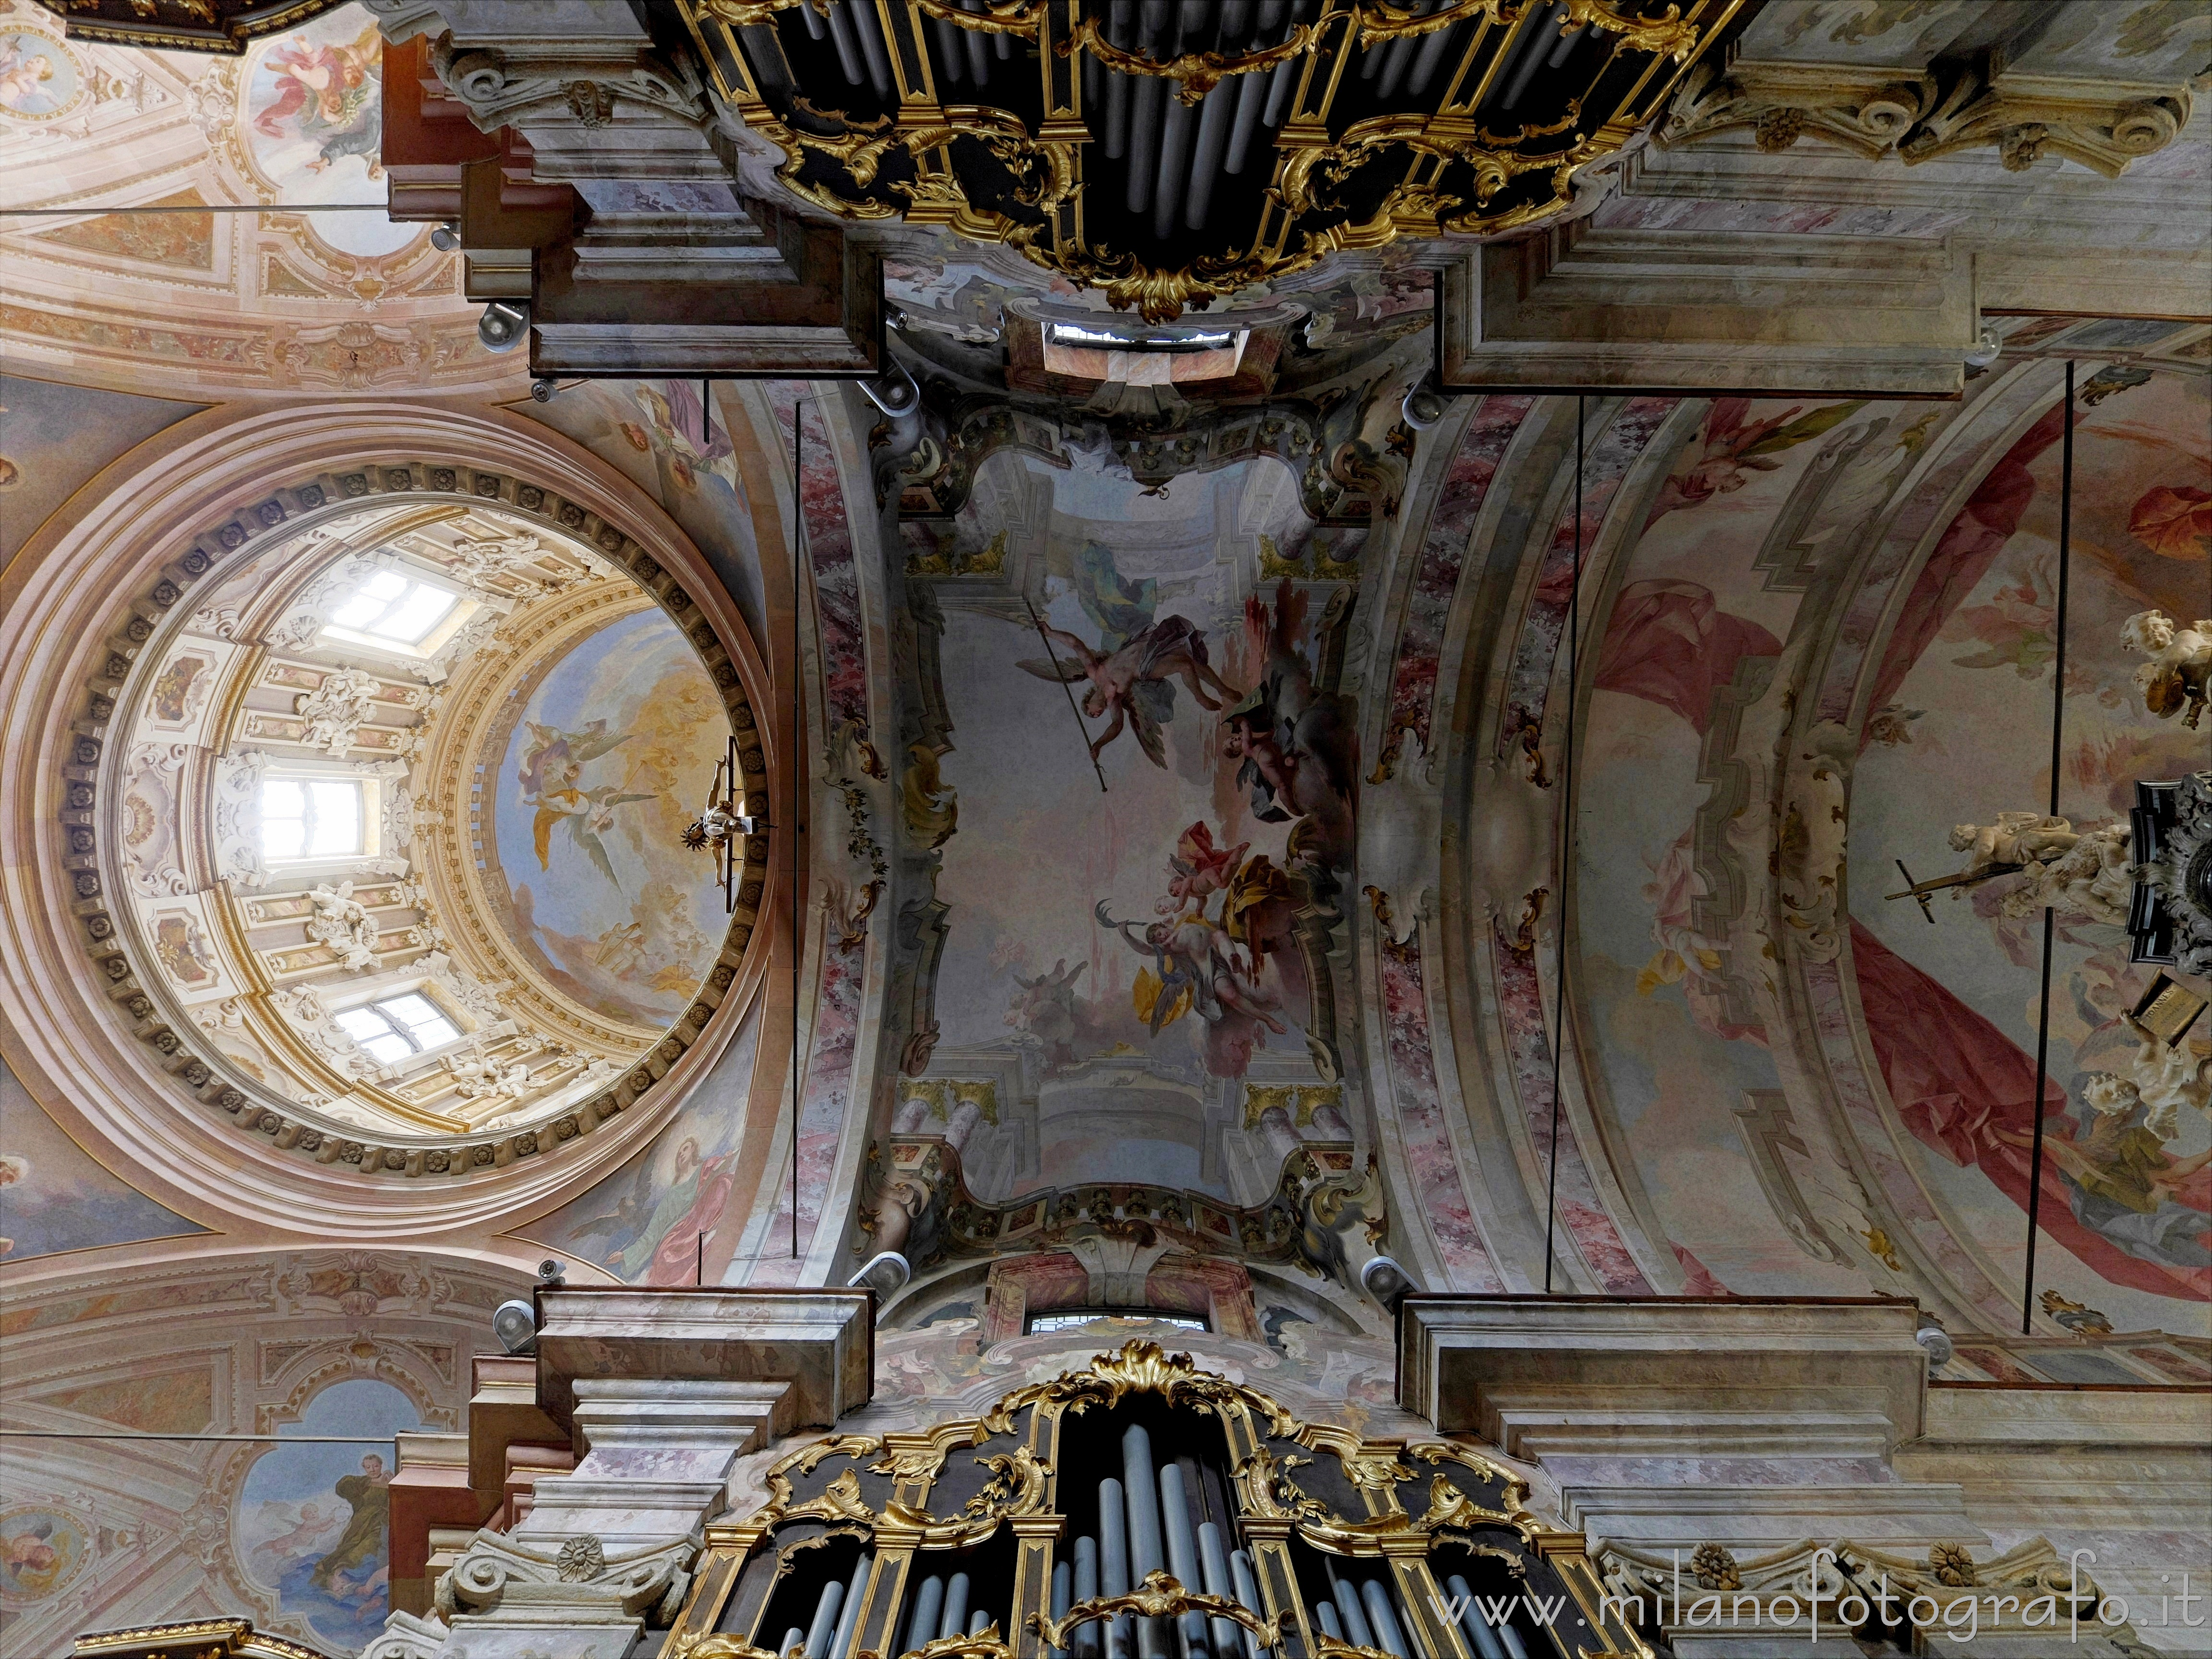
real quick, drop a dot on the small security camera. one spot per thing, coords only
(516, 1326)
(504, 325)
(1985, 350)
(893, 392)
(552, 1271)
(542, 388)
(446, 238)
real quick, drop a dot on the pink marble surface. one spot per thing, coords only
(1428, 1145)
(835, 582)
(827, 1093)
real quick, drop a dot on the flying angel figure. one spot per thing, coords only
(1132, 682)
(553, 759)
(588, 813)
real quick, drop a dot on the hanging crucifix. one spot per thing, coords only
(723, 822)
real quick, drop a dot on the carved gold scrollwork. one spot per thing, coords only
(1000, 17)
(1200, 72)
(1140, 1366)
(1160, 1597)
(985, 1643)
(1328, 1647)
(743, 14)
(839, 1501)
(1669, 36)
(1378, 19)
(707, 1645)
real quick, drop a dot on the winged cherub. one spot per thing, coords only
(1131, 682)
(588, 814)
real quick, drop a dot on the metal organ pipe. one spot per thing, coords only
(921, 1620)
(1214, 117)
(1284, 80)
(1183, 1555)
(1400, 54)
(1324, 1614)
(1383, 1619)
(1247, 1592)
(953, 1621)
(1347, 1598)
(1215, 1565)
(1479, 1631)
(951, 58)
(1434, 49)
(1145, 1554)
(848, 43)
(1251, 89)
(979, 65)
(1114, 1561)
(1531, 53)
(825, 1621)
(840, 1645)
(1144, 133)
(1175, 141)
(794, 1638)
(872, 47)
(1089, 1641)
(1063, 1587)
(1121, 19)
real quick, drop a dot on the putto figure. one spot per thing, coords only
(2180, 663)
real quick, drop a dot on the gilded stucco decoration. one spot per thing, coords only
(1271, 154)
(1391, 1503)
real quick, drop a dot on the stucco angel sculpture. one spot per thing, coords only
(343, 922)
(2180, 666)
(2016, 838)
(2092, 878)
(2165, 1076)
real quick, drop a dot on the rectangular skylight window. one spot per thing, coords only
(397, 609)
(399, 1027)
(1040, 1323)
(310, 818)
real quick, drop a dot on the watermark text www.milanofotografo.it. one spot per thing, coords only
(1815, 1609)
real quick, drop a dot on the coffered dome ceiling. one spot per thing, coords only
(401, 820)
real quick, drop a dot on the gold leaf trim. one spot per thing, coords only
(1002, 17)
(1160, 1597)
(1200, 72)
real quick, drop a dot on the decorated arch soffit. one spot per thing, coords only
(590, 667)
(204, 301)
(1772, 592)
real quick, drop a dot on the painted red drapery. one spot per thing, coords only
(1956, 1078)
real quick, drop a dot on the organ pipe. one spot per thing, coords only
(1383, 1619)
(1183, 1555)
(1114, 1561)
(928, 1604)
(1347, 1598)
(953, 1621)
(1063, 1595)
(1142, 1491)
(1247, 1592)
(848, 43)
(1478, 1629)
(1215, 1565)
(856, 1594)
(825, 1621)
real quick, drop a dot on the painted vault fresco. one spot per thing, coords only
(601, 775)
(1149, 860)
(312, 123)
(53, 1197)
(1952, 1008)
(312, 1519)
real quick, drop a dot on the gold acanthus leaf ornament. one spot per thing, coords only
(985, 1643)
(706, 1644)
(1196, 73)
(1160, 1596)
(745, 14)
(999, 17)
(1140, 1366)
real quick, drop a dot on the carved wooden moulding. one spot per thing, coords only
(1172, 153)
(105, 820)
(1140, 1489)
